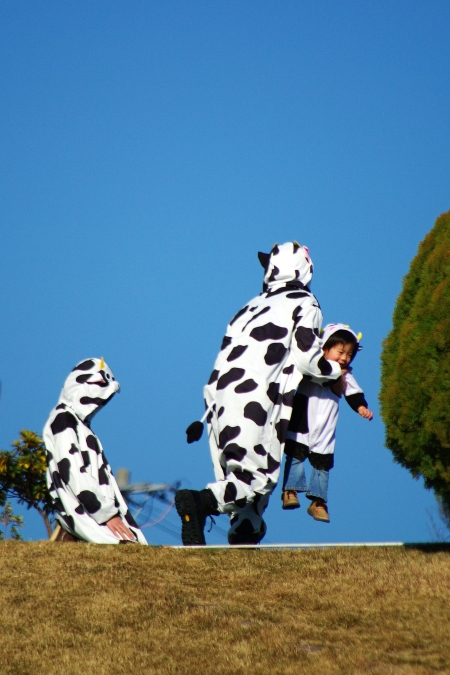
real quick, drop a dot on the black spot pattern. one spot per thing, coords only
(273, 393)
(87, 400)
(236, 352)
(73, 449)
(80, 510)
(288, 398)
(103, 476)
(246, 386)
(92, 443)
(130, 520)
(243, 475)
(275, 353)
(63, 421)
(221, 411)
(56, 479)
(274, 273)
(230, 493)
(263, 311)
(288, 370)
(325, 366)
(235, 452)
(64, 470)
(86, 365)
(272, 465)
(81, 379)
(298, 294)
(299, 417)
(225, 342)
(213, 377)
(241, 503)
(228, 434)
(260, 450)
(305, 338)
(231, 376)
(296, 316)
(86, 458)
(255, 412)
(281, 428)
(240, 313)
(57, 503)
(268, 332)
(89, 501)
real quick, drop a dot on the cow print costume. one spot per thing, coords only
(312, 429)
(269, 346)
(79, 478)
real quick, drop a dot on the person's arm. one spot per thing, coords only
(73, 475)
(306, 349)
(354, 396)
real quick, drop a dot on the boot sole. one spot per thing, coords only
(191, 532)
(290, 507)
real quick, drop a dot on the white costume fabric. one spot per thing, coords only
(269, 346)
(79, 478)
(322, 416)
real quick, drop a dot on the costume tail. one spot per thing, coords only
(194, 431)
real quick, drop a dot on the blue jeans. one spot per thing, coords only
(295, 479)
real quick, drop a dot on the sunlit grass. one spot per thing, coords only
(83, 609)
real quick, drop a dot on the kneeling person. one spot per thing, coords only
(89, 504)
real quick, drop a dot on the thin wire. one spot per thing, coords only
(155, 522)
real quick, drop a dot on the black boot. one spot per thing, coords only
(193, 507)
(246, 535)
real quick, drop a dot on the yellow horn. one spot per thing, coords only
(102, 363)
(359, 336)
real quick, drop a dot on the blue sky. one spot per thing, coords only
(150, 149)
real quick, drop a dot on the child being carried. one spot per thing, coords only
(312, 429)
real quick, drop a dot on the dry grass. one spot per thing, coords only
(73, 609)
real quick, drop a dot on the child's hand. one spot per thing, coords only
(364, 412)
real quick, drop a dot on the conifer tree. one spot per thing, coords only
(415, 381)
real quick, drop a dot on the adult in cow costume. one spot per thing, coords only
(269, 346)
(89, 504)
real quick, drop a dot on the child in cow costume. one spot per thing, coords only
(312, 429)
(269, 346)
(88, 502)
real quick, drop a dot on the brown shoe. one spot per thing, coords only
(290, 500)
(318, 510)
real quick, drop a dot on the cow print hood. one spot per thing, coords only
(287, 263)
(89, 387)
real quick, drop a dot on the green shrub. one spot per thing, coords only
(415, 381)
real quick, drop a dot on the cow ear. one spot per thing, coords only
(264, 259)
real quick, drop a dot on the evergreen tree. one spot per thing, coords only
(415, 381)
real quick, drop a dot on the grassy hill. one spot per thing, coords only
(80, 609)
